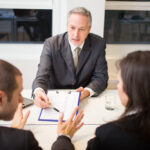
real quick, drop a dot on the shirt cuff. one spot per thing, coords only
(90, 90)
(64, 135)
(37, 90)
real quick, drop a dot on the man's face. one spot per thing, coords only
(9, 107)
(77, 28)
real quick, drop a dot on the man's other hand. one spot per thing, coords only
(84, 93)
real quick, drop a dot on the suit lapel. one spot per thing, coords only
(67, 54)
(84, 55)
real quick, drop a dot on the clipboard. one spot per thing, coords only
(62, 101)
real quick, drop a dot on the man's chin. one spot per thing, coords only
(76, 43)
(8, 117)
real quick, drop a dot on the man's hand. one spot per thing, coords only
(84, 93)
(18, 120)
(41, 99)
(70, 127)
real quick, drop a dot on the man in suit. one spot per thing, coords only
(10, 96)
(72, 60)
(11, 107)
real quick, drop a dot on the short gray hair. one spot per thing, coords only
(82, 11)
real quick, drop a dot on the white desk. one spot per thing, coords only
(94, 115)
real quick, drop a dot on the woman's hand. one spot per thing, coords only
(72, 125)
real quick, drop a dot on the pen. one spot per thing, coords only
(55, 109)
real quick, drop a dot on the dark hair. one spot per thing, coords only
(8, 74)
(135, 73)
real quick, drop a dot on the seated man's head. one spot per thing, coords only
(10, 89)
(78, 25)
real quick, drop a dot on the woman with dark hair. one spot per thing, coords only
(132, 130)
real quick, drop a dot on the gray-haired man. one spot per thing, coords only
(72, 60)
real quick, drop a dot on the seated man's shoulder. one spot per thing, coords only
(56, 38)
(96, 37)
(13, 131)
(56, 42)
(18, 138)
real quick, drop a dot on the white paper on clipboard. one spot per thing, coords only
(64, 101)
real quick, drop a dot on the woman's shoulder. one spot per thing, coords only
(107, 128)
(120, 126)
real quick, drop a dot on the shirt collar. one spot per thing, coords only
(74, 47)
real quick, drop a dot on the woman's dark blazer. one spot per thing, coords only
(122, 135)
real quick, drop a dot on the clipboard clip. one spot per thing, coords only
(57, 92)
(69, 92)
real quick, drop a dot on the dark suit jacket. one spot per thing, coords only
(62, 143)
(56, 68)
(15, 139)
(113, 136)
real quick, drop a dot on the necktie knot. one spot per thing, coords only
(78, 51)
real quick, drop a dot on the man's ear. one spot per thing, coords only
(2, 97)
(89, 28)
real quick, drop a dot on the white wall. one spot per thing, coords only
(25, 57)
(59, 16)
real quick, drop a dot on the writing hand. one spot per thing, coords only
(18, 120)
(70, 127)
(41, 99)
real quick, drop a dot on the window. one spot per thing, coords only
(127, 22)
(25, 25)
(127, 26)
